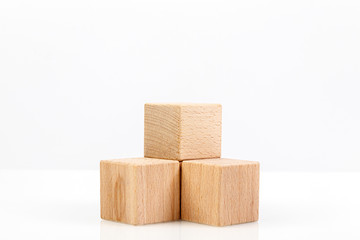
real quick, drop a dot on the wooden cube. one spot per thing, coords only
(182, 131)
(220, 191)
(140, 190)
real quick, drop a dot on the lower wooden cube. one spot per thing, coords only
(220, 191)
(140, 190)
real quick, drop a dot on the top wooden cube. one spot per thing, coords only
(182, 131)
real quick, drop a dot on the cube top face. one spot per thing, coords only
(140, 191)
(222, 162)
(220, 191)
(182, 131)
(138, 161)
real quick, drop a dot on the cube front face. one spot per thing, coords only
(220, 191)
(140, 191)
(239, 201)
(117, 200)
(200, 186)
(182, 131)
(200, 135)
(162, 131)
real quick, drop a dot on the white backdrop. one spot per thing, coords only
(74, 76)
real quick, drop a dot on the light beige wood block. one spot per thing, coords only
(182, 131)
(220, 191)
(140, 190)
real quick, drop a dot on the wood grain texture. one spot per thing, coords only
(220, 191)
(140, 190)
(182, 131)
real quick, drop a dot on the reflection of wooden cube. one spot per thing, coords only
(220, 191)
(182, 131)
(140, 190)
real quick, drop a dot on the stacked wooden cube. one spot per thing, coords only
(181, 175)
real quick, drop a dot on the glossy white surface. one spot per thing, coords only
(65, 205)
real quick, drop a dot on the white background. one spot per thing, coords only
(74, 76)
